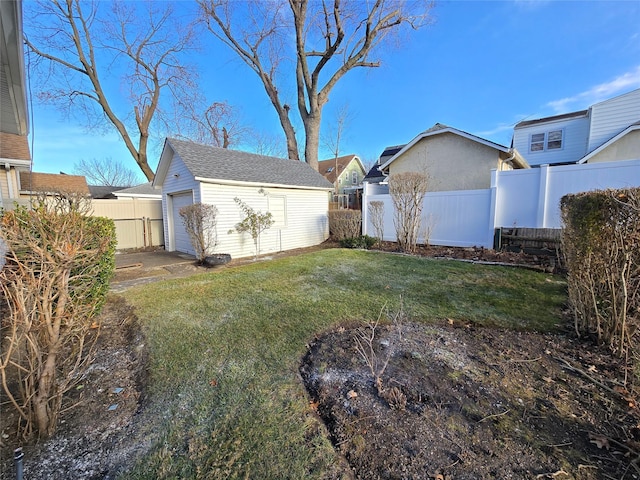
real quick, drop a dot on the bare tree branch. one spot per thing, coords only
(106, 172)
(328, 38)
(142, 42)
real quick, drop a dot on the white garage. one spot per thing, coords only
(180, 235)
(294, 193)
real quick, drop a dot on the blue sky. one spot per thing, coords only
(479, 67)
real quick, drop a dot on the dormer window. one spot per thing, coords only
(330, 169)
(551, 140)
(554, 140)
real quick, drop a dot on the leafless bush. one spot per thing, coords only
(200, 221)
(407, 192)
(601, 245)
(369, 348)
(55, 279)
(376, 212)
(345, 223)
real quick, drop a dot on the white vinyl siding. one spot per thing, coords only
(178, 180)
(300, 217)
(612, 116)
(181, 240)
(560, 141)
(277, 205)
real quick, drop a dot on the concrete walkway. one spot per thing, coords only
(138, 268)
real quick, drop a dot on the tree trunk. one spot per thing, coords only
(41, 399)
(312, 139)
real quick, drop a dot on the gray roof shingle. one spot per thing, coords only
(224, 164)
(142, 189)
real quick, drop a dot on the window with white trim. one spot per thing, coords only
(551, 140)
(354, 177)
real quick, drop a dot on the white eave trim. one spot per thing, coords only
(260, 184)
(608, 143)
(14, 162)
(156, 196)
(455, 131)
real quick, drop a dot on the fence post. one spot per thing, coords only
(541, 220)
(365, 207)
(494, 204)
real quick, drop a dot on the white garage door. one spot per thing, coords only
(180, 236)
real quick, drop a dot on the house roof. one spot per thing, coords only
(208, 163)
(439, 129)
(14, 147)
(103, 191)
(327, 168)
(554, 118)
(143, 190)
(611, 141)
(53, 182)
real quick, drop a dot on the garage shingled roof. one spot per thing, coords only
(216, 163)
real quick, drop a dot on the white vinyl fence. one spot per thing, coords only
(527, 198)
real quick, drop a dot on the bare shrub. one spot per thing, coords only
(200, 221)
(407, 192)
(345, 223)
(376, 212)
(58, 265)
(377, 356)
(601, 245)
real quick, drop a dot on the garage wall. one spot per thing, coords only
(300, 215)
(178, 182)
(181, 238)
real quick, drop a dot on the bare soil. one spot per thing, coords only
(480, 403)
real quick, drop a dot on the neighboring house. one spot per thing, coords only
(294, 193)
(14, 127)
(606, 131)
(144, 190)
(453, 159)
(375, 175)
(346, 174)
(35, 182)
(103, 192)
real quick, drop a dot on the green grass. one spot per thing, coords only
(247, 328)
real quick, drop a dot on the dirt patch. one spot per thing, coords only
(480, 403)
(94, 439)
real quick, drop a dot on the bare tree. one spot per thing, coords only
(337, 130)
(326, 38)
(218, 125)
(376, 213)
(407, 190)
(267, 144)
(333, 138)
(107, 171)
(82, 48)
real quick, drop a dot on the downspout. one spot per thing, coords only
(511, 158)
(7, 166)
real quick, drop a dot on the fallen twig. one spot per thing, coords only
(494, 415)
(586, 375)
